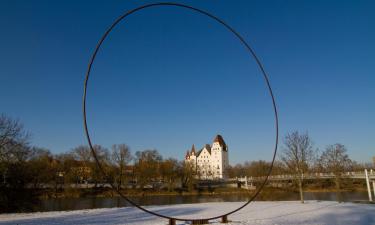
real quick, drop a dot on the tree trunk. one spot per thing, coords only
(120, 181)
(300, 190)
(338, 185)
(56, 186)
(121, 175)
(338, 188)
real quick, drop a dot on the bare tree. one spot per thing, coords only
(298, 155)
(357, 166)
(334, 159)
(169, 172)
(14, 151)
(83, 154)
(66, 162)
(41, 166)
(13, 140)
(147, 166)
(82, 171)
(89, 168)
(257, 168)
(11, 131)
(103, 157)
(121, 156)
(187, 174)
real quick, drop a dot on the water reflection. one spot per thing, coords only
(108, 202)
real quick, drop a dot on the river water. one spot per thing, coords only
(108, 202)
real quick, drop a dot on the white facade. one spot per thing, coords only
(211, 161)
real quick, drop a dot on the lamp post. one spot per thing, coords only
(368, 186)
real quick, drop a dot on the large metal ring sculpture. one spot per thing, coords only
(252, 53)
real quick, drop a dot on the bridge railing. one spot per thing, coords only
(348, 174)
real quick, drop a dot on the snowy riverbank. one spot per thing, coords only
(310, 213)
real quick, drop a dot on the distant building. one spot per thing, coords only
(211, 161)
(373, 161)
(82, 173)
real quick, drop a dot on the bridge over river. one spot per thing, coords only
(310, 176)
(368, 176)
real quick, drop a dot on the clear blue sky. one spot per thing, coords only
(167, 78)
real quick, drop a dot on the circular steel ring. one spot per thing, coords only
(248, 48)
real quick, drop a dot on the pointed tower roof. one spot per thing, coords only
(187, 154)
(221, 141)
(193, 149)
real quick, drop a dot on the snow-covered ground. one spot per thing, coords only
(288, 213)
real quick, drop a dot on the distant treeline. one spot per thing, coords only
(25, 167)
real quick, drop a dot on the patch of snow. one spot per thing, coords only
(265, 213)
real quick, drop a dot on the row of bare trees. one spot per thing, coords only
(298, 157)
(120, 166)
(22, 165)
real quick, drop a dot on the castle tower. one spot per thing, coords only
(219, 154)
(210, 162)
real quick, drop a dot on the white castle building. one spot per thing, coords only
(211, 161)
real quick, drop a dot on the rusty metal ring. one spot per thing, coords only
(248, 48)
